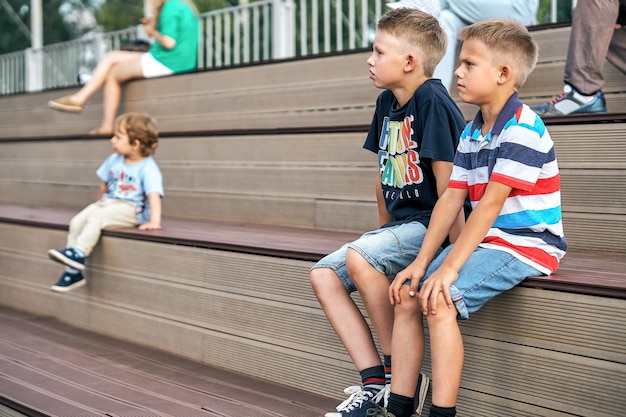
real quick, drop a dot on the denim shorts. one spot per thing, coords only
(389, 250)
(486, 273)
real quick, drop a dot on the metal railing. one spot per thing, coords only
(254, 32)
(13, 72)
(236, 35)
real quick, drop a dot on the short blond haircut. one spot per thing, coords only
(140, 127)
(509, 42)
(418, 31)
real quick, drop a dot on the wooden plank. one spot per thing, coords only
(242, 237)
(92, 374)
(309, 244)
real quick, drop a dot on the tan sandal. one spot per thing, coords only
(65, 104)
(100, 131)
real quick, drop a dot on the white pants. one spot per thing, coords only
(86, 227)
(456, 14)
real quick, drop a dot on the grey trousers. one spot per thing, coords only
(592, 40)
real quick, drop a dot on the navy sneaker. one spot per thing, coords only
(69, 257)
(570, 101)
(359, 401)
(378, 411)
(69, 281)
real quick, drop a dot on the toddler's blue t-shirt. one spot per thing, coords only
(132, 182)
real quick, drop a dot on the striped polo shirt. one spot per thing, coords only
(517, 152)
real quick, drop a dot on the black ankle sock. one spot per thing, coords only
(400, 405)
(373, 376)
(442, 411)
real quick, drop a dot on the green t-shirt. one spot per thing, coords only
(178, 21)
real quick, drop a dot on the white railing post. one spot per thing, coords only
(34, 61)
(283, 29)
(33, 69)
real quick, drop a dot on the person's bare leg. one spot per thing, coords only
(119, 74)
(345, 318)
(373, 287)
(407, 347)
(446, 354)
(101, 73)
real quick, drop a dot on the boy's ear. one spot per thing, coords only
(506, 74)
(411, 62)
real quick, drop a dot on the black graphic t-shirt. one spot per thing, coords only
(407, 140)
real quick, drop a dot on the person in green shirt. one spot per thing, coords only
(174, 28)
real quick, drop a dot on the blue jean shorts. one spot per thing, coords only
(486, 273)
(389, 250)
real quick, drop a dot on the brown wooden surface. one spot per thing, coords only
(595, 273)
(48, 368)
(288, 242)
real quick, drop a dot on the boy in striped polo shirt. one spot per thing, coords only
(505, 162)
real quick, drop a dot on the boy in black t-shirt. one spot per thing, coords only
(414, 133)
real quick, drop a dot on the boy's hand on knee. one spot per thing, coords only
(439, 282)
(413, 273)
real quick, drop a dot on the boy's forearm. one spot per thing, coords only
(442, 171)
(473, 233)
(457, 226)
(478, 224)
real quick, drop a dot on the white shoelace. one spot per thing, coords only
(357, 396)
(383, 395)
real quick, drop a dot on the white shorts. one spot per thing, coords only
(151, 68)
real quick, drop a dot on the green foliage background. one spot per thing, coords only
(564, 9)
(13, 39)
(111, 15)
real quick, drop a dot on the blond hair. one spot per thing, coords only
(419, 32)
(139, 127)
(509, 42)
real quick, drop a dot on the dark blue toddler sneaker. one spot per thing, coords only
(69, 257)
(69, 281)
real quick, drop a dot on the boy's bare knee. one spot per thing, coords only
(409, 306)
(323, 278)
(444, 313)
(356, 263)
(315, 277)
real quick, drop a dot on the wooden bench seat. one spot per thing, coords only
(596, 273)
(259, 239)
